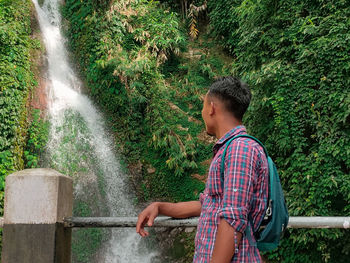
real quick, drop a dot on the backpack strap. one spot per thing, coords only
(222, 175)
(222, 167)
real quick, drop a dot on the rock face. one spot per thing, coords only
(38, 96)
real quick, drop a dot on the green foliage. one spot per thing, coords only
(37, 137)
(120, 53)
(222, 22)
(16, 79)
(182, 249)
(295, 56)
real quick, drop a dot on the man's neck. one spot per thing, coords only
(225, 126)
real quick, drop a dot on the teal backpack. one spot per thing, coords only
(276, 216)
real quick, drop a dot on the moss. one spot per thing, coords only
(182, 249)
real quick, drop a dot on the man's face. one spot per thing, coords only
(207, 113)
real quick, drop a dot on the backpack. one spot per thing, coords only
(276, 216)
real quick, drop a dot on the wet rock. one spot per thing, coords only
(189, 229)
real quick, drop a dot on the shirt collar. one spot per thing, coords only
(240, 129)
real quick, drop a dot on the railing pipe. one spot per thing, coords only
(294, 222)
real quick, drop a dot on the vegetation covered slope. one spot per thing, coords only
(21, 140)
(16, 81)
(128, 54)
(295, 56)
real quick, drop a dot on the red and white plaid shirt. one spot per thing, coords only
(245, 191)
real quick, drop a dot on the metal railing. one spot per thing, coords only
(294, 222)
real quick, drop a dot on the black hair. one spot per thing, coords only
(234, 93)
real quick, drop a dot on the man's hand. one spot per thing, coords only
(147, 216)
(176, 210)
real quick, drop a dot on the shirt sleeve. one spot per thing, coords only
(201, 198)
(238, 184)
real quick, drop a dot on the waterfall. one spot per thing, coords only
(79, 146)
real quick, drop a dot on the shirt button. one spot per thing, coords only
(235, 190)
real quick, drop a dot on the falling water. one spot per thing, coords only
(79, 146)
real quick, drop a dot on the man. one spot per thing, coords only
(225, 205)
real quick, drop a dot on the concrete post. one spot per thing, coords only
(36, 201)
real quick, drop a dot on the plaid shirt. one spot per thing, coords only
(244, 191)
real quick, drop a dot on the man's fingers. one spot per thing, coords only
(143, 233)
(140, 223)
(151, 220)
(147, 216)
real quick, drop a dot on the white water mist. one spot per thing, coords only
(78, 139)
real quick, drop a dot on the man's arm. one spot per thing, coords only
(177, 210)
(238, 190)
(224, 246)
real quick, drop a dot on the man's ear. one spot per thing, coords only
(212, 108)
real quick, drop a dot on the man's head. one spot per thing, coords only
(227, 99)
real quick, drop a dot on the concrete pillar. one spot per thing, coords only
(36, 201)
